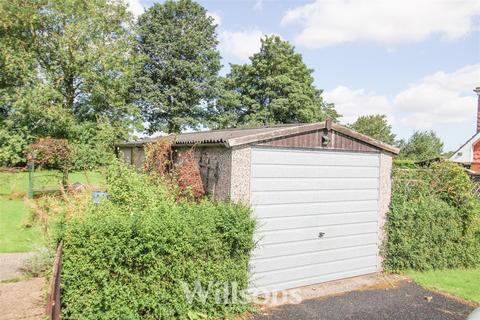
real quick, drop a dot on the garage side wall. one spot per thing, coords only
(240, 176)
(125, 154)
(132, 155)
(384, 199)
(215, 168)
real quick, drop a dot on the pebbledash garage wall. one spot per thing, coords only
(288, 154)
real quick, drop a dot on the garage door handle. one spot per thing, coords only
(321, 234)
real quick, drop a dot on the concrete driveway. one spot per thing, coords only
(406, 301)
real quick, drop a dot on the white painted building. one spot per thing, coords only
(469, 153)
(464, 154)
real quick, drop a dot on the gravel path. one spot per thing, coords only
(10, 264)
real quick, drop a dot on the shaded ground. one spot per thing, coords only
(22, 300)
(407, 301)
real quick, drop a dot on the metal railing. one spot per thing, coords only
(53, 304)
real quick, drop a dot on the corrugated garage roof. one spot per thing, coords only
(240, 136)
(222, 136)
(211, 136)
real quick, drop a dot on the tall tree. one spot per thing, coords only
(422, 145)
(181, 66)
(375, 126)
(17, 60)
(275, 87)
(64, 63)
(86, 51)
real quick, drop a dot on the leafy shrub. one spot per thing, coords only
(186, 174)
(12, 145)
(404, 163)
(127, 257)
(434, 219)
(52, 153)
(159, 157)
(93, 144)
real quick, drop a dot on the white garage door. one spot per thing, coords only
(317, 214)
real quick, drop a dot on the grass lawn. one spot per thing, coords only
(18, 182)
(463, 283)
(14, 237)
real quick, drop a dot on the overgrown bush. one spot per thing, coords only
(181, 174)
(434, 219)
(186, 174)
(127, 257)
(404, 163)
(159, 157)
(53, 154)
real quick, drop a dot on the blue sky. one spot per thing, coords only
(417, 61)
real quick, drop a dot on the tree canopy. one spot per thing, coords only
(275, 87)
(64, 64)
(375, 126)
(85, 71)
(181, 65)
(422, 145)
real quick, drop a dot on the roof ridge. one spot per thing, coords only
(280, 125)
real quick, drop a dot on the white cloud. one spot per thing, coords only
(135, 7)
(353, 103)
(438, 99)
(258, 6)
(217, 19)
(240, 44)
(389, 22)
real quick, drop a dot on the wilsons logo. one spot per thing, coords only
(228, 293)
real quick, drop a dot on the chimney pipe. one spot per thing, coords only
(477, 91)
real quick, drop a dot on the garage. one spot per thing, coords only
(320, 193)
(317, 215)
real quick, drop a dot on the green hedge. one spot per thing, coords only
(434, 219)
(404, 163)
(127, 257)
